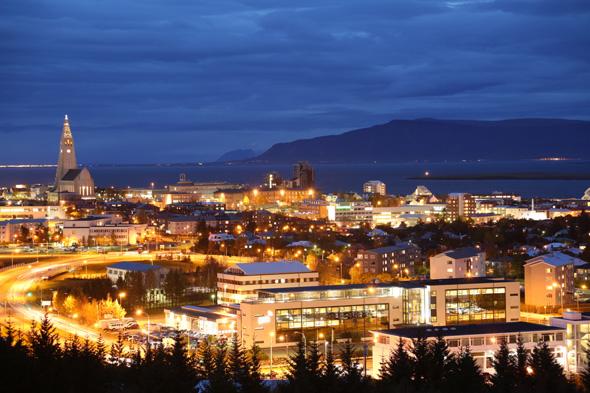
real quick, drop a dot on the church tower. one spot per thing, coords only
(67, 153)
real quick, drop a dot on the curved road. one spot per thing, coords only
(16, 281)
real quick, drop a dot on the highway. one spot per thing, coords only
(16, 281)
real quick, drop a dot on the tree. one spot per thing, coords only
(205, 359)
(181, 366)
(397, 371)
(253, 383)
(300, 380)
(237, 365)
(421, 362)
(440, 363)
(547, 375)
(521, 366)
(503, 380)
(351, 373)
(466, 376)
(219, 380)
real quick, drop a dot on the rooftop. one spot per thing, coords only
(427, 331)
(460, 253)
(557, 259)
(261, 268)
(134, 266)
(71, 174)
(400, 284)
(397, 247)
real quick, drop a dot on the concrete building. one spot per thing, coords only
(460, 205)
(460, 263)
(71, 182)
(101, 230)
(483, 340)
(216, 320)
(153, 275)
(350, 213)
(408, 214)
(10, 229)
(549, 280)
(577, 328)
(398, 260)
(303, 175)
(374, 187)
(243, 280)
(11, 212)
(342, 312)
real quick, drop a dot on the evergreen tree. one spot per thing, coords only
(397, 371)
(253, 384)
(205, 359)
(503, 380)
(219, 380)
(237, 364)
(420, 351)
(440, 364)
(181, 367)
(521, 377)
(314, 362)
(44, 342)
(352, 377)
(117, 352)
(298, 376)
(547, 375)
(466, 376)
(330, 375)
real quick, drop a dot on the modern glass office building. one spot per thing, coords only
(349, 312)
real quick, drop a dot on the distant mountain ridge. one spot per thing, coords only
(439, 140)
(237, 155)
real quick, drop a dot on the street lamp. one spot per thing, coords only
(140, 312)
(272, 335)
(122, 296)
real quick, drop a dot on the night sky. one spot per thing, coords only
(187, 80)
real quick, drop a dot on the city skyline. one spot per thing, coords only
(187, 82)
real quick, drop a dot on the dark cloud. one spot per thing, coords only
(185, 80)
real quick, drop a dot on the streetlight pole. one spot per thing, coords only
(272, 335)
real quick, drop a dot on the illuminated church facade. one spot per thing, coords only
(71, 182)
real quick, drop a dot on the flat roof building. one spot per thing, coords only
(243, 280)
(350, 311)
(459, 263)
(483, 340)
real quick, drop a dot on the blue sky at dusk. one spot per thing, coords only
(187, 80)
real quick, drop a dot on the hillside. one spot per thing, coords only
(439, 140)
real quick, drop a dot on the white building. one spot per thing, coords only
(344, 312)
(460, 263)
(243, 280)
(350, 213)
(577, 327)
(216, 320)
(374, 187)
(120, 270)
(31, 212)
(483, 340)
(97, 230)
(409, 215)
(10, 229)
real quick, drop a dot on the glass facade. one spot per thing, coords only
(412, 306)
(351, 322)
(468, 306)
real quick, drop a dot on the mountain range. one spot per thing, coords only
(440, 140)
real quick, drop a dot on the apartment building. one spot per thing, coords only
(460, 263)
(398, 260)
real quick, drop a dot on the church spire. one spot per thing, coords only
(67, 154)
